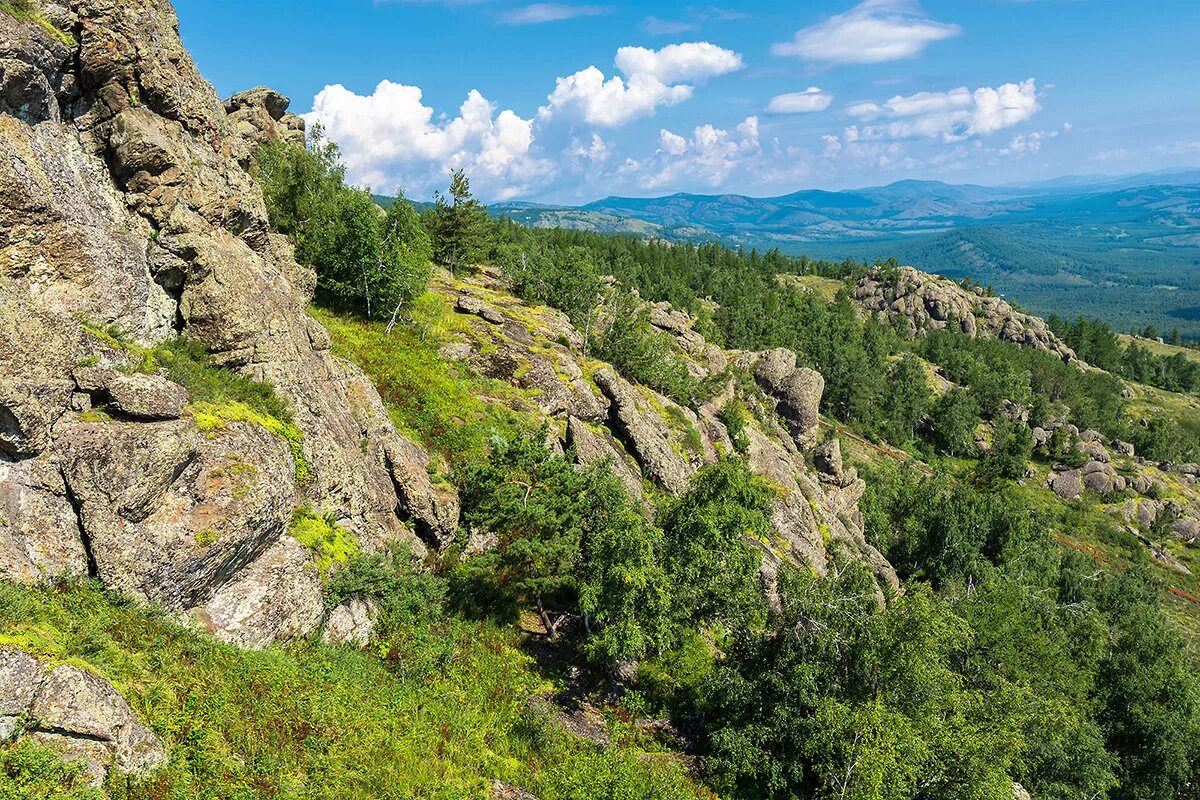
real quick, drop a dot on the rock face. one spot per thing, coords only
(125, 202)
(920, 302)
(76, 712)
(798, 391)
(351, 623)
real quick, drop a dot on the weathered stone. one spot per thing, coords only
(920, 302)
(798, 391)
(1067, 485)
(828, 457)
(434, 507)
(78, 713)
(645, 432)
(173, 514)
(351, 623)
(275, 598)
(39, 533)
(147, 396)
(591, 447)
(473, 305)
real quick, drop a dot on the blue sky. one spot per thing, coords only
(572, 101)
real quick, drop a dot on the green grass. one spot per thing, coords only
(441, 717)
(439, 403)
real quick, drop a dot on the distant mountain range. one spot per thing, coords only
(1124, 248)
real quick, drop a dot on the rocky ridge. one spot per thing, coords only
(919, 302)
(655, 444)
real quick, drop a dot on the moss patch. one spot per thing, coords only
(330, 544)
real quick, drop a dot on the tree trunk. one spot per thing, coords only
(550, 631)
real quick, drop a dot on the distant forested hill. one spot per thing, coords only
(1124, 249)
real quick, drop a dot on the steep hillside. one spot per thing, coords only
(563, 516)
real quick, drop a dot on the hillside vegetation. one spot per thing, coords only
(512, 512)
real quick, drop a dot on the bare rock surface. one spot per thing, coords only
(351, 623)
(920, 302)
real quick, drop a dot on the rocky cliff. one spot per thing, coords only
(126, 208)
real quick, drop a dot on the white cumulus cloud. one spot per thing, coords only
(811, 99)
(708, 157)
(872, 32)
(652, 78)
(950, 116)
(390, 138)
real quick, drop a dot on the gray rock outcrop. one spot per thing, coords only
(798, 391)
(76, 712)
(126, 204)
(919, 302)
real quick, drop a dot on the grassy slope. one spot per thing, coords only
(1159, 348)
(440, 716)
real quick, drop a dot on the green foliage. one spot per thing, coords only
(1096, 343)
(712, 567)
(439, 710)
(458, 226)
(953, 421)
(562, 276)
(641, 352)
(189, 364)
(367, 261)
(31, 11)
(733, 417)
(29, 771)
(1008, 457)
(331, 544)
(569, 539)
(214, 417)
(908, 399)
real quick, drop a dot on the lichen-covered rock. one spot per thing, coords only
(645, 432)
(828, 457)
(126, 203)
(1067, 485)
(39, 533)
(798, 391)
(172, 514)
(434, 507)
(591, 447)
(920, 302)
(351, 623)
(151, 397)
(78, 713)
(275, 598)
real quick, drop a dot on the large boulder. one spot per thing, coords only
(170, 513)
(277, 597)
(797, 390)
(76, 712)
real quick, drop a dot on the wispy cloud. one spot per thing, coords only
(949, 116)
(811, 99)
(540, 13)
(872, 32)
(694, 19)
